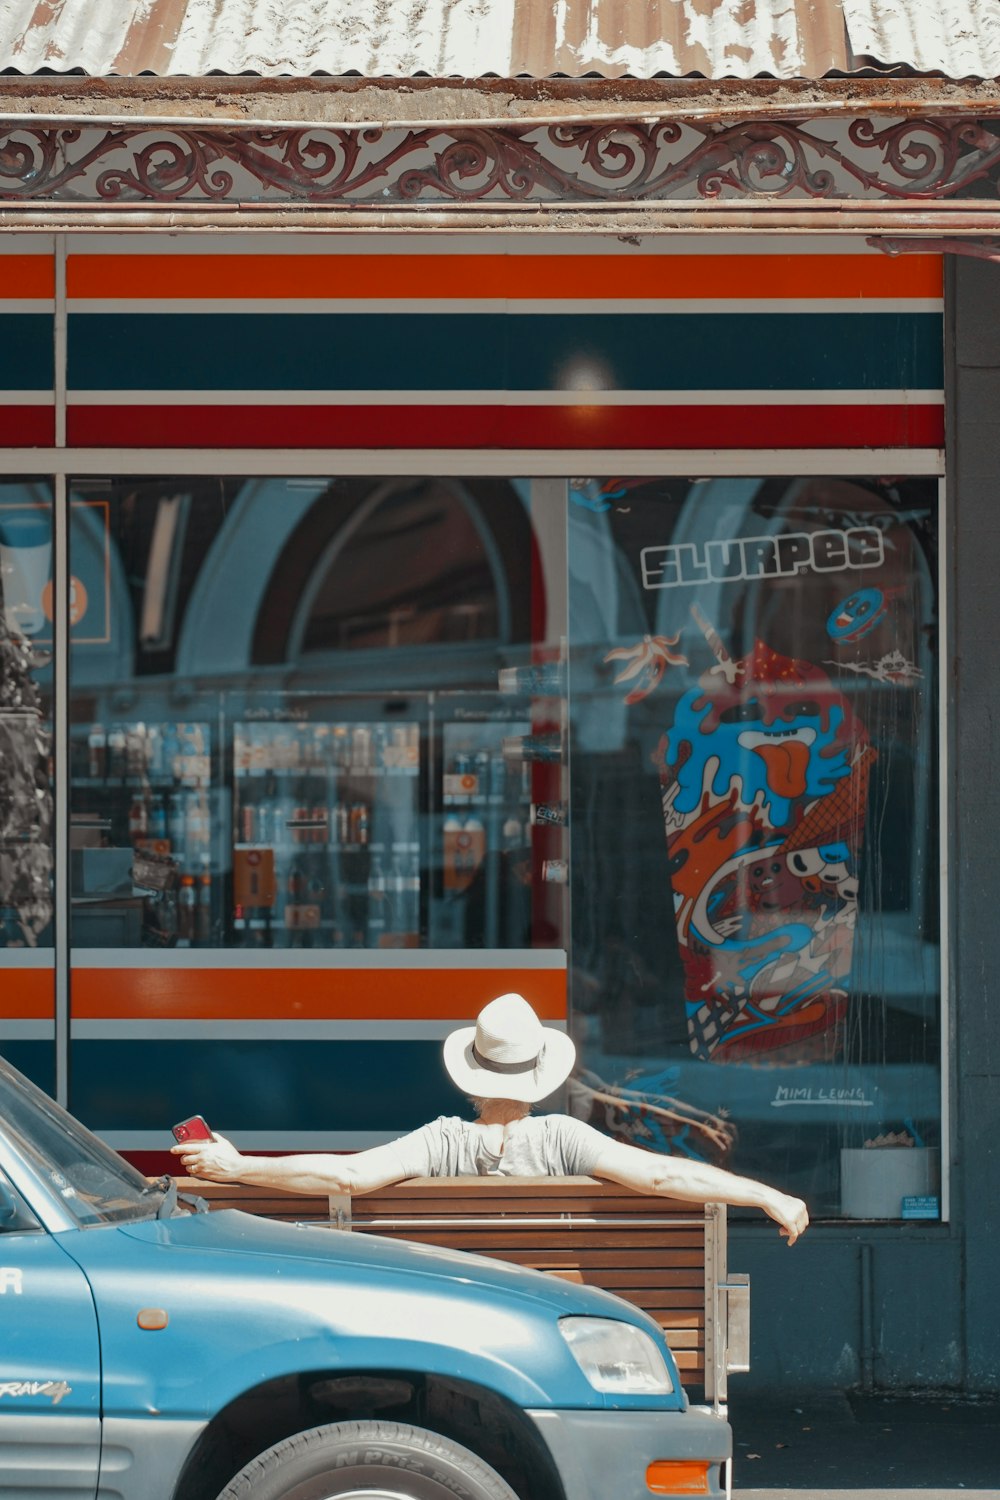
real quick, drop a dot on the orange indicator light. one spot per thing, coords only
(680, 1476)
(152, 1318)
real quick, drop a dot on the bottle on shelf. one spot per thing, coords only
(411, 897)
(157, 818)
(546, 748)
(544, 679)
(97, 752)
(171, 749)
(138, 819)
(498, 777)
(157, 766)
(474, 845)
(203, 908)
(117, 761)
(512, 834)
(376, 903)
(177, 825)
(167, 916)
(136, 750)
(187, 900)
(395, 895)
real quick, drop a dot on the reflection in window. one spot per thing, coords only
(411, 569)
(25, 714)
(287, 729)
(755, 812)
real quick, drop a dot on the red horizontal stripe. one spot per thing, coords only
(308, 994)
(29, 994)
(864, 425)
(27, 426)
(179, 274)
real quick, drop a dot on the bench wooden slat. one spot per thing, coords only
(518, 1239)
(494, 1205)
(574, 1255)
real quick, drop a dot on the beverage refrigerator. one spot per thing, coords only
(299, 820)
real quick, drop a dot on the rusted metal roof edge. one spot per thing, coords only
(967, 219)
(234, 103)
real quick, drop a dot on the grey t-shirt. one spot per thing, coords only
(546, 1146)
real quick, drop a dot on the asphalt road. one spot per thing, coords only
(870, 1448)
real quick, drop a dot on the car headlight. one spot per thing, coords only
(617, 1357)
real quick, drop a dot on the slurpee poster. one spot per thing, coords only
(764, 774)
(757, 751)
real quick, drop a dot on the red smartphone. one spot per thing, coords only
(194, 1129)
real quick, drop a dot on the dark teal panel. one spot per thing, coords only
(35, 1059)
(27, 360)
(260, 1086)
(494, 351)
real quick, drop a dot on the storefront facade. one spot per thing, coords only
(412, 611)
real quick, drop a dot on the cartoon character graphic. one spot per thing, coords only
(764, 777)
(856, 616)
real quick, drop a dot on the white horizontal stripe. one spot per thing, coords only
(517, 463)
(110, 243)
(27, 305)
(330, 959)
(505, 398)
(27, 398)
(27, 958)
(274, 1140)
(27, 244)
(542, 306)
(27, 1031)
(285, 1030)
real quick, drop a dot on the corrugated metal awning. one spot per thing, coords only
(740, 39)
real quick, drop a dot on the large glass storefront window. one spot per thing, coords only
(292, 730)
(683, 731)
(756, 959)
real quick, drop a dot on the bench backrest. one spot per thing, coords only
(668, 1258)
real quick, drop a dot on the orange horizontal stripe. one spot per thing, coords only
(524, 277)
(27, 994)
(307, 994)
(28, 276)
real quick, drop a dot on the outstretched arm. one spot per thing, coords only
(219, 1161)
(694, 1182)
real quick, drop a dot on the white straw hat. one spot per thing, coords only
(508, 1054)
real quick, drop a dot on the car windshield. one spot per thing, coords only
(94, 1183)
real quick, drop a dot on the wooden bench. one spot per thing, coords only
(668, 1258)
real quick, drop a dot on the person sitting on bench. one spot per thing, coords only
(505, 1063)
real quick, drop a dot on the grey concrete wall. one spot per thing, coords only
(877, 1309)
(974, 580)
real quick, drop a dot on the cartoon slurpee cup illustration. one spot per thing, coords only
(764, 778)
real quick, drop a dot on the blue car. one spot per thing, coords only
(150, 1350)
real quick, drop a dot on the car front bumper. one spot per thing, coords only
(603, 1453)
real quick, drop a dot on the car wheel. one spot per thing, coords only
(367, 1461)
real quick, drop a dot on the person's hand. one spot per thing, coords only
(216, 1161)
(790, 1213)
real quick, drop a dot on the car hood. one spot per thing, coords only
(314, 1249)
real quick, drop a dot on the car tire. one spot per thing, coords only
(367, 1461)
